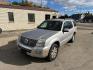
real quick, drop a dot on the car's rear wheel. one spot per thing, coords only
(53, 52)
(72, 39)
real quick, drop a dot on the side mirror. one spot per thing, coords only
(65, 30)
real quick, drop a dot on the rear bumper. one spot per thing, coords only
(39, 52)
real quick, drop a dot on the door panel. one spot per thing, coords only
(67, 35)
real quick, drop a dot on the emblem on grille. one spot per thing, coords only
(26, 41)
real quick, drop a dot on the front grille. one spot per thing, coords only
(28, 42)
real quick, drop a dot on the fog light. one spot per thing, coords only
(38, 52)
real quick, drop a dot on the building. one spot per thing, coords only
(23, 17)
(3, 1)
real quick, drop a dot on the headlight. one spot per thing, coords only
(40, 43)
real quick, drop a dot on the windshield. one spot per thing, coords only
(51, 25)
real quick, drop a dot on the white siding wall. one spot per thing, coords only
(21, 19)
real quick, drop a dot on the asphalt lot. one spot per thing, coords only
(75, 56)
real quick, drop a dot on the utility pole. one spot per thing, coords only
(41, 3)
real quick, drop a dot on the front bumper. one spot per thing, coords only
(40, 52)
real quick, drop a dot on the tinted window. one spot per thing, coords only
(51, 25)
(68, 24)
(31, 17)
(11, 16)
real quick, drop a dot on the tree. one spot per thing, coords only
(15, 3)
(63, 17)
(66, 16)
(75, 16)
(24, 3)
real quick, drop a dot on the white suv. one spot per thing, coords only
(45, 40)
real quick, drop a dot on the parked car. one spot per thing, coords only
(0, 30)
(47, 38)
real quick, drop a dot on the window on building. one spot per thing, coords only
(47, 17)
(11, 16)
(54, 17)
(31, 17)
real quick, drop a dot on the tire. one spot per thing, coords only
(0, 30)
(53, 52)
(72, 39)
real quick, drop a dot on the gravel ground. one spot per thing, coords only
(75, 56)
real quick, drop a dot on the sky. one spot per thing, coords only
(66, 6)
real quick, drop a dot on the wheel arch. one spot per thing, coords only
(74, 33)
(57, 42)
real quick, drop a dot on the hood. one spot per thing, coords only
(39, 34)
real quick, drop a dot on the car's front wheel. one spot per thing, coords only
(0, 30)
(53, 52)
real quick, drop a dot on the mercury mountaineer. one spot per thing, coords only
(45, 40)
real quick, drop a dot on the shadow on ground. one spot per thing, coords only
(10, 54)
